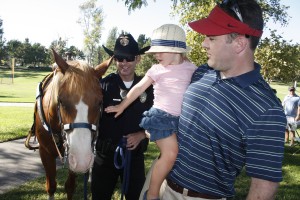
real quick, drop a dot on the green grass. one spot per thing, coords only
(23, 87)
(15, 122)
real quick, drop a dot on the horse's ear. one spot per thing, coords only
(101, 69)
(61, 63)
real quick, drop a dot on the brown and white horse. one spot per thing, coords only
(66, 115)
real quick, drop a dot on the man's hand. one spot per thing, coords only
(134, 139)
(262, 189)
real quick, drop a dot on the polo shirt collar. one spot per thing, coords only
(248, 78)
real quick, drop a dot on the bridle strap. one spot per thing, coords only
(39, 99)
(92, 127)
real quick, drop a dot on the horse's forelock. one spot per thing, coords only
(80, 77)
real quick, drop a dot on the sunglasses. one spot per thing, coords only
(122, 58)
(232, 5)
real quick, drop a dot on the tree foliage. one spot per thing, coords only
(2, 41)
(91, 21)
(279, 58)
(147, 60)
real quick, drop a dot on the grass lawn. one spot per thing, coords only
(23, 87)
(15, 123)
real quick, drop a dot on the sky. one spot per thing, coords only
(43, 21)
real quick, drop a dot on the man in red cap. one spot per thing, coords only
(230, 117)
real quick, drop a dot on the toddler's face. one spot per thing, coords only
(165, 58)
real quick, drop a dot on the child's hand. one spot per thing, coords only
(117, 109)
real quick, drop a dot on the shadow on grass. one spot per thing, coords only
(23, 73)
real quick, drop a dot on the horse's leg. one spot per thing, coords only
(50, 170)
(70, 185)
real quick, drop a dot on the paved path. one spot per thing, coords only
(16, 104)
(18, 164)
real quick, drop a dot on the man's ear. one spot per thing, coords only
(241, 43)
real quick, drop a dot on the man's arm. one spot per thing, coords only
(262, 189)
(298, 114)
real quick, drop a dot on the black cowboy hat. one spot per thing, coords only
(126, 46)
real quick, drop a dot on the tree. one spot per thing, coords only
(137, 4)
(75, 53)
(279, 58)
(110, 44)
(91, 21)
(148, 59)
(60, 46)
(14, 49)
(2, 41)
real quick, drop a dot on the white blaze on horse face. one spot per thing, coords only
(81, 156)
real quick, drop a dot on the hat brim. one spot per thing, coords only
(108, 51)
(207, 27)
(220, 23)
(165, 49)
(144, 50)
(140, 52)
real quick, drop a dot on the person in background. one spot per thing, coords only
(230, 117)
(112, 131)
(169, 78)
(291, 105)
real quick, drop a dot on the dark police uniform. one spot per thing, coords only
(111, 131)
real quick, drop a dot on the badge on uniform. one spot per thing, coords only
(143, 96)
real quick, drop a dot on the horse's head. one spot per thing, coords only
(78, 97)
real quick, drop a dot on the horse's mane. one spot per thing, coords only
(79, 78)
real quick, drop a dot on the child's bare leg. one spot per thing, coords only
(168, 152)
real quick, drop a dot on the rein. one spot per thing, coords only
(125, 155)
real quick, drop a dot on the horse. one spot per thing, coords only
(66, 115)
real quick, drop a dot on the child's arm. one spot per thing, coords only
(136, 91)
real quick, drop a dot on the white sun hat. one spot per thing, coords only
(168, 38)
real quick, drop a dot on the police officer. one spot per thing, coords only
(112, 130)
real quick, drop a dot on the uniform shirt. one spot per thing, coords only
(114, 91)
(227, 124)
(170, 83)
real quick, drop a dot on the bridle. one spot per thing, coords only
(64, 128)
(68, 127)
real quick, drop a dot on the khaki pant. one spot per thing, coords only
(166, 193)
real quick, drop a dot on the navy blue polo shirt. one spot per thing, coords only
(114, 91)
(227, 124)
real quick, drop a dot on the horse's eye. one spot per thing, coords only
(64, 105)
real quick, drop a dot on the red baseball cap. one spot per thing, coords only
(220, 23)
